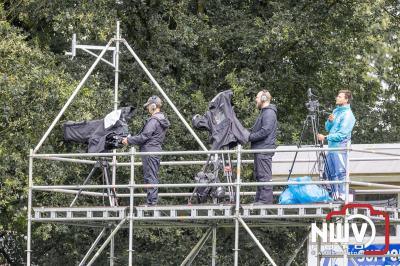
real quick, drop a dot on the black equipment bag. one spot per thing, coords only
(207, 176)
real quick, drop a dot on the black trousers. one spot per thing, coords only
(263, 173)
(151, 165)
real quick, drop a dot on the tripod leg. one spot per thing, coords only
(191, 196)
(305, 124)
(317, 143)
(333, 187)
(317, 165)
(204, 169)
(314, 130)
(216, 165)
(323, 165)
(110, 194)
(84, 183)
(105, 175)
(226, 176)
(112, 191)
(232, 199)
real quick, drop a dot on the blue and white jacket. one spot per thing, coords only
(341, 126)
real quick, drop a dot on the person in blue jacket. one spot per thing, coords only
(150, 139)
(339, 125)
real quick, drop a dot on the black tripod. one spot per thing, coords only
(321, 163)
(104, 168)
(209, 174)
(227, 168)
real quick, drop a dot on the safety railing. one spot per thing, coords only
(73, 158)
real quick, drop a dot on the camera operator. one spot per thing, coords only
(339, 125)
(150, 139)
(263, 136)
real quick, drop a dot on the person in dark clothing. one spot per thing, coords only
(150, 139)
(263, 136)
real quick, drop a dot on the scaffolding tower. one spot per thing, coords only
(200, 216)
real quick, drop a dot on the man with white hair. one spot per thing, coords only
(263, 136)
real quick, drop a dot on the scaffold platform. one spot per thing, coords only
(299, 212)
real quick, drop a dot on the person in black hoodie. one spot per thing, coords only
(150, 139)
(263, 136)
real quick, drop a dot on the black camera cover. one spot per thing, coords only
(225, 130)
(100, 135)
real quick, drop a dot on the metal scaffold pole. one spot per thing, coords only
(256, 241)
(97, 254)
(116, 80)
(318, 255)
(114, 158)
(91, 249)
(29, 235)
(297, 250)
(131, 190)
(347, 183)
(237, 205)
(116, 65)
(196, 249)
(347, 189)
(214, 246)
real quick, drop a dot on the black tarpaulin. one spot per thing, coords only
(95, 134)
(225, 130)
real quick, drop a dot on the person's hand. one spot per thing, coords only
(321, 137)
(331, 117)
(125, 141)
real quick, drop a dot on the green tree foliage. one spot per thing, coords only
(194, 49)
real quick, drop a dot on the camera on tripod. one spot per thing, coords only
(312, 104)
(312, 122)
(114, 141)
(101, 135)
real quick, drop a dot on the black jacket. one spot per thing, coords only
(224, 129)
(152, 135)
(263, 133)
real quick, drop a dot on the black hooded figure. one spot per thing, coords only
(150, 139)
(263, 136)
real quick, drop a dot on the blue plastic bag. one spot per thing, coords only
(304, 193)
(287, 198)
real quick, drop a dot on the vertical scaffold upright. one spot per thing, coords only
(200, 216)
